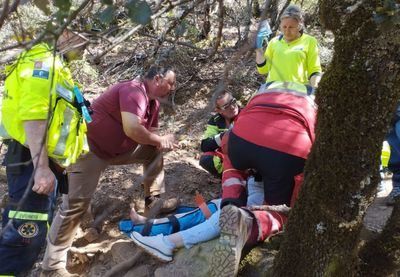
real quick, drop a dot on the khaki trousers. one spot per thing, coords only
(83, 177)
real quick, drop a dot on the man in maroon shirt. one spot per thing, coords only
(122, 132)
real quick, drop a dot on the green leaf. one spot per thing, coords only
(107, 15)
(63, 5)
(139, 11)
(43, 5)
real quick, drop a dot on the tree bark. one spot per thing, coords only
(274, 9)
(356, 99)
(381, 256)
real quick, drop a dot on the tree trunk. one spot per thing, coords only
(356, 99)
(381, 256)
(205, 26)
(274, 9)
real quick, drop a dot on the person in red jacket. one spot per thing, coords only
(273, 135)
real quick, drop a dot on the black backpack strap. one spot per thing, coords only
(176, 226)
(147, 227)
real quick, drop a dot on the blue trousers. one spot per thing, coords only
(22, 239)
(394, 160)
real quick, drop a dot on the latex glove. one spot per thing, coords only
(263, 34)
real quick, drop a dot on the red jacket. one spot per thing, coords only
(286, 119)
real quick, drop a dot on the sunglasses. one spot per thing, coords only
(231, 103)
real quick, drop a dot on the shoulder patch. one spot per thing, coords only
(41, 70)
(28, 230)
(40, 74)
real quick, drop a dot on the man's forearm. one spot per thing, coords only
(35, 138)
(143, 136)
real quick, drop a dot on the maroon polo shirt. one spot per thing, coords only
(106, 136)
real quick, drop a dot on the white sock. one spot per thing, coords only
(169, 242)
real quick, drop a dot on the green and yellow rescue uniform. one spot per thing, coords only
(38, 86)
(296, 61)
(212, 158)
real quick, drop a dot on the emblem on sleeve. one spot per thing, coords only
(28, 230)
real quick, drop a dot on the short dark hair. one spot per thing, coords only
(155, 70)
(221, 95)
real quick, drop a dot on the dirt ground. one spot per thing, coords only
(94, 254)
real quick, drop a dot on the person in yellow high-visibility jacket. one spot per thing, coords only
(292, 56)
(38, 100)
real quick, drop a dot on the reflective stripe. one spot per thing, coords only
(7, 275)
(65, 129)
(291, 86)
(28, 215)
(217, 139)
(233, 182)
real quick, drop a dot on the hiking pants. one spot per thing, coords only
(394, 160)
(24, 229)
(212, 162)
(279, 172)
(83, 178)
(277, 169)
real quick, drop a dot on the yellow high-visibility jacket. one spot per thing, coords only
(39, 86)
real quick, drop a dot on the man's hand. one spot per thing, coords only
(44, 178)
(44, 181)
(263, 34)
(168, 143)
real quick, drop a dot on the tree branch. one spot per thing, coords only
(122, 38)
(28, 44)
(220, 27)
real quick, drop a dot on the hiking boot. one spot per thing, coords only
(157, 246)
(61, 272)
(235, 225)
(159, 206)
(393, 196)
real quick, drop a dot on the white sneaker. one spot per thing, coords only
(154, 245)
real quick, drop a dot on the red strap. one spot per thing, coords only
(202, 205)
(298, 181)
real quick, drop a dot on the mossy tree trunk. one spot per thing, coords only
(356, 100)
(381, 256)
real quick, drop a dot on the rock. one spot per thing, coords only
(122, 251)
(195, 262)
(91, 234)
(192, 262)
(258, 261)
(140, 271)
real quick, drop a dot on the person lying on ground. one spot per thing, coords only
(226, 109)
(190, 226)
